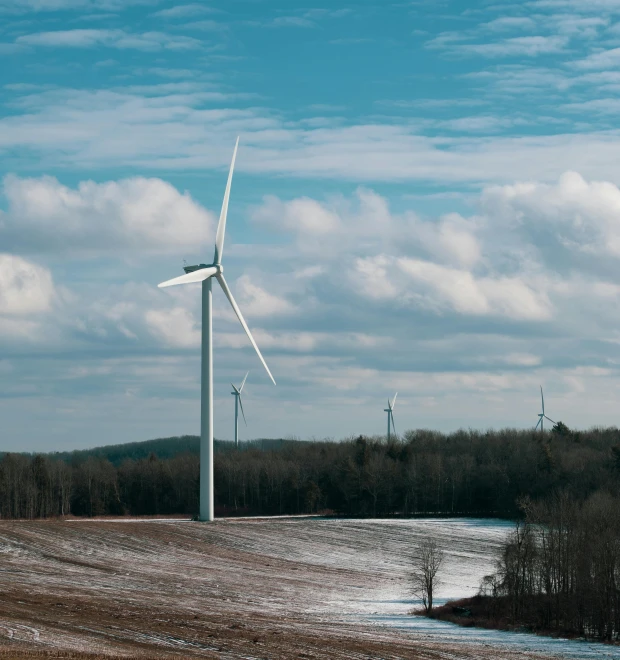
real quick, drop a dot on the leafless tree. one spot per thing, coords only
(424, 577)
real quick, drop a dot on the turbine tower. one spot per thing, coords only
(390, 417)
(204, 273)
(542, 416)
(237, 394)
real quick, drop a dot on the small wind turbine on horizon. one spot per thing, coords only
(238, 404)
(204, 273)
(390, 415)
(541, 415)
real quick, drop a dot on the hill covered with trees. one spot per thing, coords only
(424, 472)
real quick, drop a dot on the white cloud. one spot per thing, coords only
(256, 301)
(604, 59)
(309, 272)
(599, 106)
(507, 23)
(440, 293)
(585, 6)
(581, 216)
(452, 239)
(371, 278)
(25, 6)
(89, 38)
(137, 213)
(531, 46)
(465, 293)
(303, 342)
(364, 222)
(175, 327)
(25, 288)
(522, 359)
(292, 21)
(184, 11)
(301, 215)
(86, 128)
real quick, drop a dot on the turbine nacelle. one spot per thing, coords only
(192, 269)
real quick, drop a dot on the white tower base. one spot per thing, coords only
(206, 407)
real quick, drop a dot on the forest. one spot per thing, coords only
(423, 472)
(558, 573)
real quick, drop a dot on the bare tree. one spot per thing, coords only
(426, 564)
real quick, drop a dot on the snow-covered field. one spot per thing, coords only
(276, 588)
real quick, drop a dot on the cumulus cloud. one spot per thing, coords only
(462, 302)
(364, 222)
(136, 213)
(576, 214)
(438, 288)
(303, 215)
(453, 239)
(25, 288)
(256, 301)
(175, 327)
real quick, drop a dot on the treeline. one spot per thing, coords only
(560, 569)
(462, 473)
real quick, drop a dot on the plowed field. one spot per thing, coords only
(264, 588)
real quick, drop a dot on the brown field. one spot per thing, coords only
(278, 588)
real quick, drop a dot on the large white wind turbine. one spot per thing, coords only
(237, 394)
(390, 417)
(204, 273)
(542, 416)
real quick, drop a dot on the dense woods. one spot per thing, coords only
(559, 572)
(462, 473)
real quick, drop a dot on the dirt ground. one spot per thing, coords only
(270, 588)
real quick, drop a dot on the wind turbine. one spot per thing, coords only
(542, 416)
(237, 394)
(204, 273)
(390, 418)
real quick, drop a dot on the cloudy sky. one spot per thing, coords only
(426, 200)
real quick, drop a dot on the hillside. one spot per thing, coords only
(163, 448)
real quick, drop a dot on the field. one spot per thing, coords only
(263, 588)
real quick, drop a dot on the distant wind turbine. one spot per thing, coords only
(204, 273)
(542, 416)
(237, 394)
(390, 418)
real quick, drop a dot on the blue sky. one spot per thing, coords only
(425, 200)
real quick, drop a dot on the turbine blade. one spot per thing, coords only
(393, 401)
(549, 418)
(243, 383)
(542, 399)
(190, 278)
(231, 300)
(538, 423)
(221, 225)
(241, 406)
(234, 388)
(392, 418)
